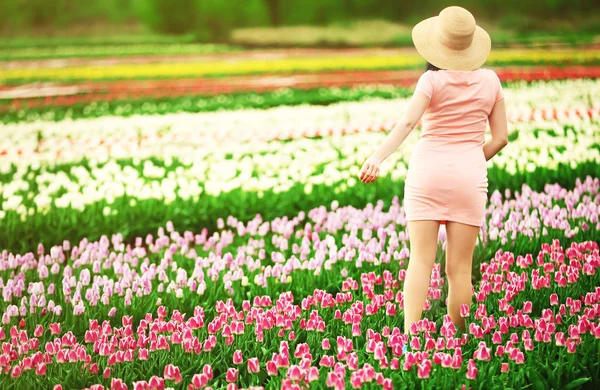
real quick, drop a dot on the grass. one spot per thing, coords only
(359, 33)
(381, 33)
(104, 39)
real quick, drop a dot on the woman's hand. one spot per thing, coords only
(370, 170)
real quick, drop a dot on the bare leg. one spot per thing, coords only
(460, 245)
(423, 246)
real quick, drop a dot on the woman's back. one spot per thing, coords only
(461, 102)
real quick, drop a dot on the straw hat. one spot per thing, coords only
(452, 40)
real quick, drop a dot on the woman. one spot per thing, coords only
(446, 180)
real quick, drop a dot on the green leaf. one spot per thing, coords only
(536, 380)
(576, 383)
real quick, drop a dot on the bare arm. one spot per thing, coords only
(416, 107)
(499, 128)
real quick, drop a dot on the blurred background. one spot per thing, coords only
(288, 23)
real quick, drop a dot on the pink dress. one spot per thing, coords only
(447, 172)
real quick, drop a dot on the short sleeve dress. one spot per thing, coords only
(447, 173)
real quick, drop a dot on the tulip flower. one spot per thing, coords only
(232, 374)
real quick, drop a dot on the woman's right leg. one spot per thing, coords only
(423, 247)
(460, 244)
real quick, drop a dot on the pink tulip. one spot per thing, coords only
(294, 373)
(140, 385)
(143, 354)
(231, 375)
(55, 328)
(156, 382)
(172, 373)
(39, 331)
(208, 371)
(272, 368)
(424, 369)
(253, 366)
(40, 369)
(471, 370)
(312, 374)
(483, 352)
(464, 310)
(117, 384)
(415, 343)
(504, 368)
(237, 357)
(15, 372)
(520, 357)
(356, 380)
(199, 381)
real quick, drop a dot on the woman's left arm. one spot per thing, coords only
(415, 110)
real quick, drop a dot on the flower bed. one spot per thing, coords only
(133, 174)
(319, 310)
(26, 97)
(281, 64)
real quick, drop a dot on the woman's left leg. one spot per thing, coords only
(423, 247)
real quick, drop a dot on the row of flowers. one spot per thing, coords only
(88, 305)
(579, 90)
(27, 97)
(106, 50)
(564, 102)
(256, 255)
(219, 67)
(190, 171)
(177, 170)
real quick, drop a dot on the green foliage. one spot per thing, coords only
(166, 17)
(214, 19)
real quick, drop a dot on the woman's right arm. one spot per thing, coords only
(499, 128)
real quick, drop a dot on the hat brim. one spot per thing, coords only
(425, 39)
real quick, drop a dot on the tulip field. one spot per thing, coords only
(199, 224)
